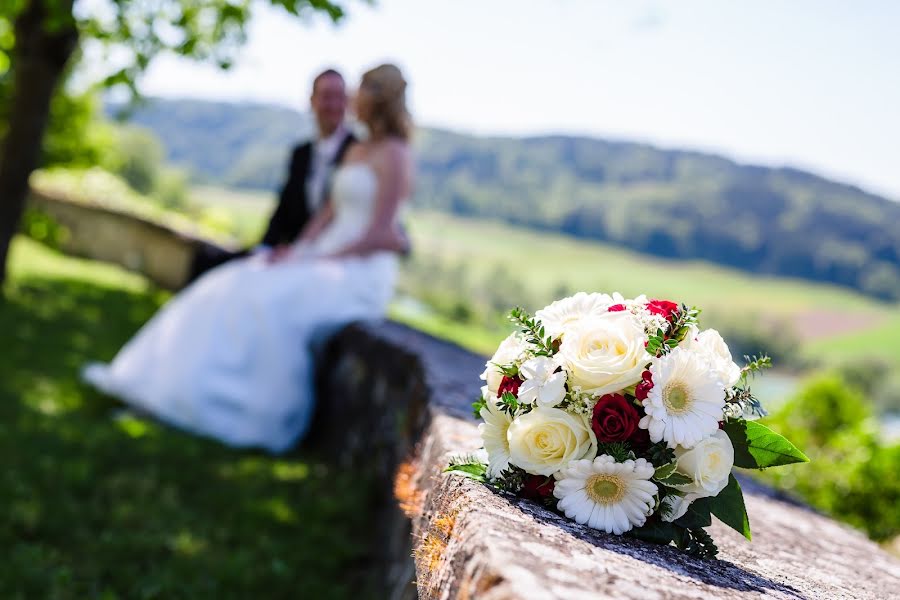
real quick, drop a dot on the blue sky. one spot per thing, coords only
(810, 83)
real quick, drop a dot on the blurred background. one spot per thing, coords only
(741, 157)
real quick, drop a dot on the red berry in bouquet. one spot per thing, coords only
(509, 384)
(642, 389)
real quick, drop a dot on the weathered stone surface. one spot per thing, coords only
(163, 254)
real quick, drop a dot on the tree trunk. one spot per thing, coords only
(38, 61)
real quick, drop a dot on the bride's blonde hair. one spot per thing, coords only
(390, 116)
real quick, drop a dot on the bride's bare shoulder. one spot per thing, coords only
(392, 152)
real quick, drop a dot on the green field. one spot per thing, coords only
(100, 503)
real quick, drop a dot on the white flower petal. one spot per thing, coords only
(686, 402)
(614, 511)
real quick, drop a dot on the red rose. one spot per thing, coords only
(616, 308)
(642, 390)
(615, 418)
(663, 308)
(537, 487)
(509, 384)
(640, 440)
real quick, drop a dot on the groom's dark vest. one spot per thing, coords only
(293, 211)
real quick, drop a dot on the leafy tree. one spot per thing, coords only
(138, 159)
(38, 39)
(75, 135)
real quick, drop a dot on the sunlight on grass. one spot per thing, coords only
(133, 426)
(290, 471)
(278, 509)
(49, 398)
(187, 544)
(29, 259)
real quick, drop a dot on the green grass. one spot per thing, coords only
(98, 503)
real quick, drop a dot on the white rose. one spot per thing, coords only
(542, 384)
(710, 344)
(605, 353)
(708, 464)
(510, 351)
(545, 440)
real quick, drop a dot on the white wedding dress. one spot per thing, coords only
(230, 357)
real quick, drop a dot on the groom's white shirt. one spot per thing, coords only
(324, 151)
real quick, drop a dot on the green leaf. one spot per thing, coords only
(509, 400)
(757, 447)
(676, 479)
(658, 532)
(729, 508)
(664, 471)
(477, 406)
(476, 471)
(697, 515)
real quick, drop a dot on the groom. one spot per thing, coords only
(305, 190)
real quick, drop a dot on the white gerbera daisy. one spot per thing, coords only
(686, 402)
(493, 434)
(542, 383)
(606, 495)
(560, 315)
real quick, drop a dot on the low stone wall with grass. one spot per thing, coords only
(161, 252)
(395, 403)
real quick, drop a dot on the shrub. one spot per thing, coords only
(852, 473)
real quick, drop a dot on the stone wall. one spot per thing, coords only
(409, 398)
(161, 253)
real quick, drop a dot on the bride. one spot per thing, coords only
(230, 356)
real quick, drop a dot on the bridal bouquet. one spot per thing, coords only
(625, 416)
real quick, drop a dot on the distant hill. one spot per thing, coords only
(235, 144)
(671, 203)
